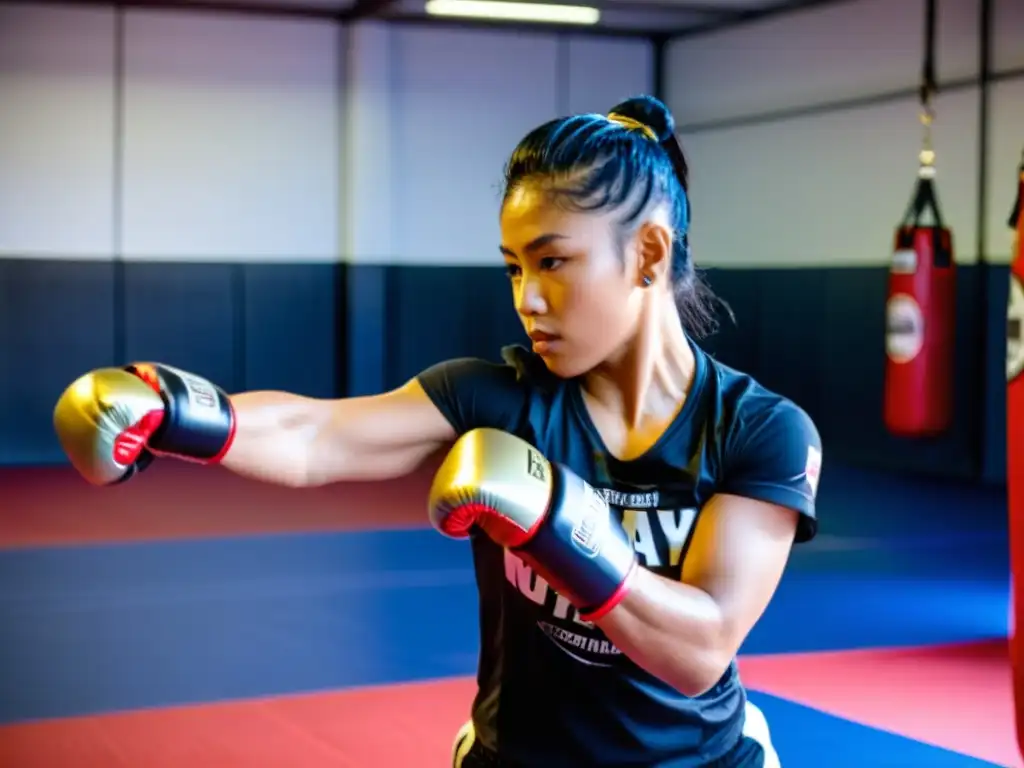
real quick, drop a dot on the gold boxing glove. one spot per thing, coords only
(541, 511)
(112, 421)
(103, 421)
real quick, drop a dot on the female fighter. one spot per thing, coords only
(631, 502)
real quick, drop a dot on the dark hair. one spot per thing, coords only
(629, 159)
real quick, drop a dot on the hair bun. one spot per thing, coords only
(651, 112)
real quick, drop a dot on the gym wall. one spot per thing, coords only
(269, 202)
(803, 132)
(169, 191)
(427, 148)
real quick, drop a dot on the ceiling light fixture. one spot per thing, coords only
(510, 11)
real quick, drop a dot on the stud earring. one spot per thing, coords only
(647, 281)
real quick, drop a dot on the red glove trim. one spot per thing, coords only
(617, 597)
(498, 527)
(231, 437)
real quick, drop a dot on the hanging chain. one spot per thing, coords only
(927, 154)
(927, 93)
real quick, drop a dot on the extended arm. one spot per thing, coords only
(688, 632)
(110, 423)
(298, 441)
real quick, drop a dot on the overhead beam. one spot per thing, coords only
(711, 11)
(366, 9)
(659, 6)
(706, 9)
(197, 6)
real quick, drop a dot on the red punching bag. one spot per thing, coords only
(920, 312)
(1015, 445)
(920, 318)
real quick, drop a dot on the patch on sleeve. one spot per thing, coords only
(812, 470)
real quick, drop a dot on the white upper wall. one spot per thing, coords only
(227, 137)
(1005, 145)
(848, 50)
(1007, 35)
(249, 138)
(225, 145)
(56, 132)
(829, 187)
(461, 101)
(606, 71)
(434, 115)
(1005, 125)
(231, 138)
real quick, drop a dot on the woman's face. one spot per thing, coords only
(577, 297)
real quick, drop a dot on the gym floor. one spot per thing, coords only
(194, 618)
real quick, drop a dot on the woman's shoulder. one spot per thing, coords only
(771, 447)
(476, 392)
(517, 368)
(530, 369)
(749, 406)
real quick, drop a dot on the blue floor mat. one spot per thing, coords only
(90, 629)
(87, 629)
(807, 738)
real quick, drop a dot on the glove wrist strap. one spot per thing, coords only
(617, 597)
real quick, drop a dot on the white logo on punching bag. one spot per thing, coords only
(1014, 329)
(904, 328)
(904, 262)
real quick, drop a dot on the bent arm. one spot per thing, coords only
(688, 632)
(298, 441)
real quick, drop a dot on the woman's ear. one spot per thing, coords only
(654, 253)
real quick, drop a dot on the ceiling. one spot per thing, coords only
(651, 16)
(668, 18)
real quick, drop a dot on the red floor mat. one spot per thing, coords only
(414, 724)
(956, 697)
(51, 506)
(333, 730)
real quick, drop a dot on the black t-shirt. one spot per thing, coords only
(553, 691)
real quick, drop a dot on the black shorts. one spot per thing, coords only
(754, 749)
